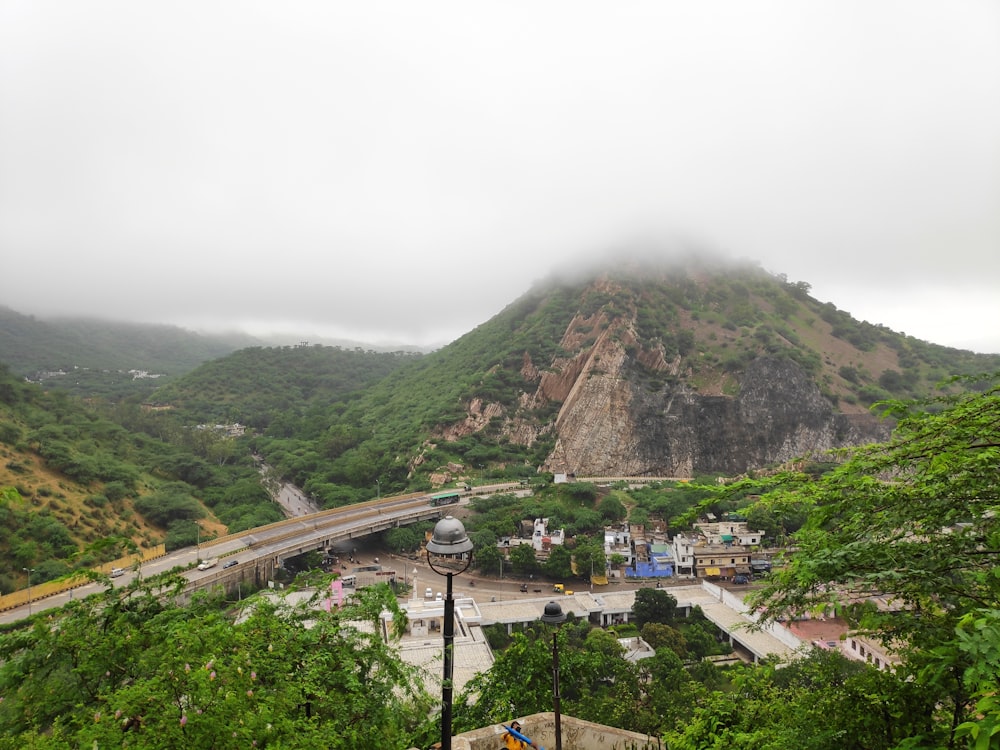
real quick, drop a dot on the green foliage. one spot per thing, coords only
(679, 505)
(560, 563)
(172, 502)
(654, 605)
(142, 670)
(823, 702)
(908, 522)
(522, 559)
(596, 681)
(660, 635)
(256, 386)
(487, 559)
(403, 539)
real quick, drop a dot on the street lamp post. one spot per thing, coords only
(29, 571)
(450, 542)
(378, 490)
(554, 615)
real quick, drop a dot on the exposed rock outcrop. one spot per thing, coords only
(609, 426)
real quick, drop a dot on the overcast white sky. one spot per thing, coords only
(404, 170)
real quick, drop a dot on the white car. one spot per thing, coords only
(428, 593)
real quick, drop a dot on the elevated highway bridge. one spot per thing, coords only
(262, 550)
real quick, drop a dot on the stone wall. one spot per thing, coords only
(576, 735)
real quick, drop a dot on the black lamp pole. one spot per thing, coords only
(554, 615)
(449, 665)
(449, 540)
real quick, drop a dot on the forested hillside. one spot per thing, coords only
(84, 489)
(261, 386)
(104, 359)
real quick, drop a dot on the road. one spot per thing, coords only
(297, 505)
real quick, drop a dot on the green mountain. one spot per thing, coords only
(261, 386)
(29, 345)
(681, 370)
(105, 359)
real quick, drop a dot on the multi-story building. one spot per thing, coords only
(730, 532)
(714, 555)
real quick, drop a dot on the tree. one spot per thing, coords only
(169, 504)
(589, 557)
(402, 539)
(653, 605)
(518, 683)
(914, 523)
(560, 562)
(486, 558)
(823, 702)
(522, 559)
(659, 635)
(611, 509)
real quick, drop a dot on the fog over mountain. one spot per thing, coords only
(401, 172)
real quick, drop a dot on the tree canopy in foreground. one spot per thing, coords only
(140, 671)
(904, 537)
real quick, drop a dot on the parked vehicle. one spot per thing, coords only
(524, 588)
(740, 579)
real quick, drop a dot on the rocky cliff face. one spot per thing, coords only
(609, 425)
(628, 409)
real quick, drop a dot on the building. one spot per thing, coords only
(720, 561)
(618, 541)
(542, 538)
(652, 560)
(718, 549)
(730, 532)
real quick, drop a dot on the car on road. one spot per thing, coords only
(428, 593)
(230, 564)
(115, 572)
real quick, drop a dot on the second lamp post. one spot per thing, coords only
(554, 615)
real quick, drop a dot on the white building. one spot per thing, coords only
(542, 538)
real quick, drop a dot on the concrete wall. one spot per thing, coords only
(576, 735)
